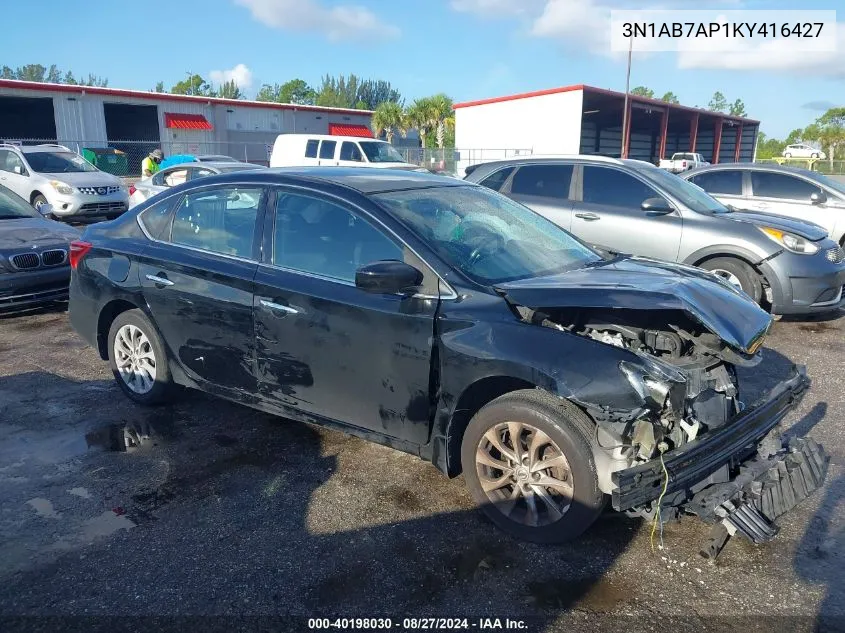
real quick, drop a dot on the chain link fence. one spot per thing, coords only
(823, 166)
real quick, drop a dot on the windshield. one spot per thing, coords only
(12, 207)
(836, 185)
(687, 193)
(58, 162)
(381, 152)
(486, 236)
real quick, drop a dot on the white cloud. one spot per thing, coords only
(494, 8)
(241, 75)
(337, 23)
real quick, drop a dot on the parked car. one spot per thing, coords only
(787, 191)
(34, 265)
(178, 174)
(682, 161)
(802, 150)
(298, 150)
(441, 318)
(178, 159)
(216, 158)
(633, 207)
(54, 175)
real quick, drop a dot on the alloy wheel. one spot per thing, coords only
(729, 277)
(135, 359)
(524, 474)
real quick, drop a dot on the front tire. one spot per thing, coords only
(787, 155)
(527, 462)
(738, 274)
(138, 359)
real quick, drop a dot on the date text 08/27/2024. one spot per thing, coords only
(417, 624)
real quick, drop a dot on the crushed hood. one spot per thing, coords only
(645, 284)
(25, 233)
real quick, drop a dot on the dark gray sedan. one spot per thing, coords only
(34, 264)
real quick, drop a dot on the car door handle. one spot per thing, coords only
(277, 307)
(590, 217)
(161, 281)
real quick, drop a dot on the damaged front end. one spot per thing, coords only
(691, 445)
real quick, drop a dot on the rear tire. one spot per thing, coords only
(814, 155)
(739, 274)
(547, 490)
(787, 155)
(138, 359)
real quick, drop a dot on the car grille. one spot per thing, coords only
(835, 255)
(53, 258)
(103, 207)
(98, 191)
(25, 261)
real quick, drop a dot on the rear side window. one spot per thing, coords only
(311, 149)
(350, 151)
(725, 182)
(767, 184)
(496, 180)
(614, 188)
(544, 181)
(156, 219)
(327, 149)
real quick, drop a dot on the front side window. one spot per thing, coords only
(220, 220)
(327, 149)
(319, 237)
(767, 184)
(311, 148)
(543, 181)
(350, 151)
(728, 182)
(486, 236)
(381, 152)
(175, 177)
(10, 162)
(615, 188)
(58, 163)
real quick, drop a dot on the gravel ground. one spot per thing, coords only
(225, 511)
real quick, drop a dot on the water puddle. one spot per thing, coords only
(43, 508)
(106, 524)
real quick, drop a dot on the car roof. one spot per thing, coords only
(329, 137)
(45, 147)
(220, 164)
(362, 179)
(752, 167)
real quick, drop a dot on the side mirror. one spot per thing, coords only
(387, 277)
(819, 197)
(657, 206)
(18, 170)
(46, 210)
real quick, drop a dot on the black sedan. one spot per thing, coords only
(443, 319)
(34, 266)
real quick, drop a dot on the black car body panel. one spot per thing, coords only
(410, 369)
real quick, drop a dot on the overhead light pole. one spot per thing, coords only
(624, 152)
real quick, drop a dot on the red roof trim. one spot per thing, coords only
(182, 121)
(522, 95)
(346, 129)
(163, 96)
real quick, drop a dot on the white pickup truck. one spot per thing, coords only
(683, 161)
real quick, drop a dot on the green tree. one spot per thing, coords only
(338, 92)
(195, 85)
(737, 108)
(718, 103)
(642, 91)
(419, 116)
(70, 79)
(159, 87)
(444, 120)
(229, 90)
(298, 92)
(373, 92)
(54, 75)
(832, 131)
(670, 97)
(768, 147)
(389, 118)
(32, 72)
(794, 136)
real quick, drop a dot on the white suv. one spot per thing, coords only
(802, 150)
(54, 175)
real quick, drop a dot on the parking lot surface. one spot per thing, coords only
(227, 511)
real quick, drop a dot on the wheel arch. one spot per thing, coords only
(108, 314)
(34, 195)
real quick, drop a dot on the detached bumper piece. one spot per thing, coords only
(765, 489)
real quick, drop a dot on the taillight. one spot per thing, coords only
(684, 164)
(132, 189)
(77, 252)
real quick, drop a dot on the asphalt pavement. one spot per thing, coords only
(217, 511)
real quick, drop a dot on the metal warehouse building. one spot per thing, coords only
(137, 122)
(585, 120)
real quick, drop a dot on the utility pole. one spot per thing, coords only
(624, 152)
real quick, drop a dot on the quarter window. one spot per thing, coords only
(311, 149)
(767, 184)
(544, 181)
(724, 182)
(327, 149)
(218, 220)
(495, 181)
(322, 238)
(614, 188)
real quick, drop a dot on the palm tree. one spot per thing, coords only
(441, 116)
(390, 119)
(419, 116)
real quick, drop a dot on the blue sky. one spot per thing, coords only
(470, 49)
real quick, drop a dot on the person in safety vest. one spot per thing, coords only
(151, 164)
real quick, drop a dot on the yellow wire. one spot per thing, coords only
(656, 519)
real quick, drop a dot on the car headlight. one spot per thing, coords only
(61, 187)
(653, 382)
(790, 241)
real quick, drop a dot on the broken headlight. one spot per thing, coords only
(652, 380)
